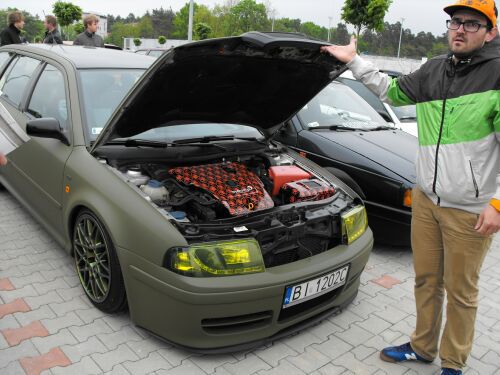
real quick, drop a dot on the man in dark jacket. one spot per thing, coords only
(456, 202)
(52, 35)
(89, 36)
(12, 33)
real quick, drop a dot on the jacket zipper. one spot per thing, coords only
(441, 132)
(474, 179)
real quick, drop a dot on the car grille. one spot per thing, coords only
(236, 324)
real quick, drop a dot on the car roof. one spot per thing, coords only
(84, 57)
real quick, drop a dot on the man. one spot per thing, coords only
(52, 35)
(12, 33)
(89, 36)
(456, 202)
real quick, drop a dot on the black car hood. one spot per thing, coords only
(256, 79)
(393, 149)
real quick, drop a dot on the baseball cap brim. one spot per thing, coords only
(453, 8)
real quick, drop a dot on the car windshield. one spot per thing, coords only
(103, 90)
(406, 113)
(339, 105)
(172, 133)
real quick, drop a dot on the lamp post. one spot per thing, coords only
(400, 35)
(190, 26)
(329, 27)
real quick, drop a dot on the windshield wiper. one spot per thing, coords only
(205, 139)
(159, 144)
(335, 127)
(406, 118)
(381, 128)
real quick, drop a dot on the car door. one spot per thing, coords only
(37, 166)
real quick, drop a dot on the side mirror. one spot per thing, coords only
(385, 116)
(47, 127)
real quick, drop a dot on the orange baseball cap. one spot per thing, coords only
(486, 7)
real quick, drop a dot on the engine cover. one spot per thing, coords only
(238, 189)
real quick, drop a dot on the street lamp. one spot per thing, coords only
(190, 26)
(329, 27)
(400, 35)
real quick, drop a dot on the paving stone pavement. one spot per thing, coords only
(47, 326)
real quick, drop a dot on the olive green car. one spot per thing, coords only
(164, 183)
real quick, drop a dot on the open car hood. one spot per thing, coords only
(256, 79)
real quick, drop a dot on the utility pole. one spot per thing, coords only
(190, 27)
(400, 35)
(329, 27)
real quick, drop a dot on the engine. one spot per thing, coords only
(201, 193)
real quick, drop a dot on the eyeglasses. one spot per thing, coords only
(469, 26)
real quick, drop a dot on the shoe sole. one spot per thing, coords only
(385, 358)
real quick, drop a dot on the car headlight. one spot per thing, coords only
(407, 198)
(224, 258)
(354, 223)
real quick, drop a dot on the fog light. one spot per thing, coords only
(407, 198)
(354, 223)
(223, 258)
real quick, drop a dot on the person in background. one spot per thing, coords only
(89, 36)
(12, 33)
(3, 159)
(456, 201)
(52, 35)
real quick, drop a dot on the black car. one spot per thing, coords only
(339, 130)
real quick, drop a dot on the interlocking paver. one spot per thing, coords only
(107, 360)
(84, 349)
(153, 362)
(63, 337)
(42, 274)
(35, 365)
(86, 366)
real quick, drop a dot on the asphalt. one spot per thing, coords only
(48, 326)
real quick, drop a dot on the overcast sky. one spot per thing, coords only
(419, 15)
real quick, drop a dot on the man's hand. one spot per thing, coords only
(489, 221)
(3, 159)
(342, 53)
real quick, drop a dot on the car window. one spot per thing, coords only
(406, 113)
(15, 80)
(155, 53)
(337, 104)
(49, 96)
(103, 90)
(141, 52)
(366, 94)
(4, 57)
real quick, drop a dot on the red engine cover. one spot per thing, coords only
(237, 188)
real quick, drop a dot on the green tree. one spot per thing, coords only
(247, 15)
(340, 35)
(78, 27)
(313, 30)
(122, 30)
(66, 13)
(162, 21)
(162, 40)
(365, 14)
(137, 42)
(202, 30)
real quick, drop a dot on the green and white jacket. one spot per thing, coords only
(458, 115)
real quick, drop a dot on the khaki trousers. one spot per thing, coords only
(447, 254)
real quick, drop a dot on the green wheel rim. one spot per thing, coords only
(92, 258)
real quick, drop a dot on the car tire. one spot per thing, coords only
(346, 179)
(97, 264)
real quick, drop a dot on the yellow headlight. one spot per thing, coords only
(223, 258)
(354, 223)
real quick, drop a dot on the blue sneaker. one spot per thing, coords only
(450, 371)
(401, 353)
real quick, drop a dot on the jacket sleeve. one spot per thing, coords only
(57, 39)
(5, 38)
(496, 125)
(77, 41)
(400, 91)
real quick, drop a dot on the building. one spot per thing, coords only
(102, 28)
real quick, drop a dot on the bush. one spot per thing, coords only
(162, 40)
(137, 42)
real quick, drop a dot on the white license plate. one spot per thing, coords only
(314, 288)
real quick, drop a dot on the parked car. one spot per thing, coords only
(404, 118)
(172, 197)
(153, 52)
(340, 131)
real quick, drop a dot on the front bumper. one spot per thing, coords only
(227, 313)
